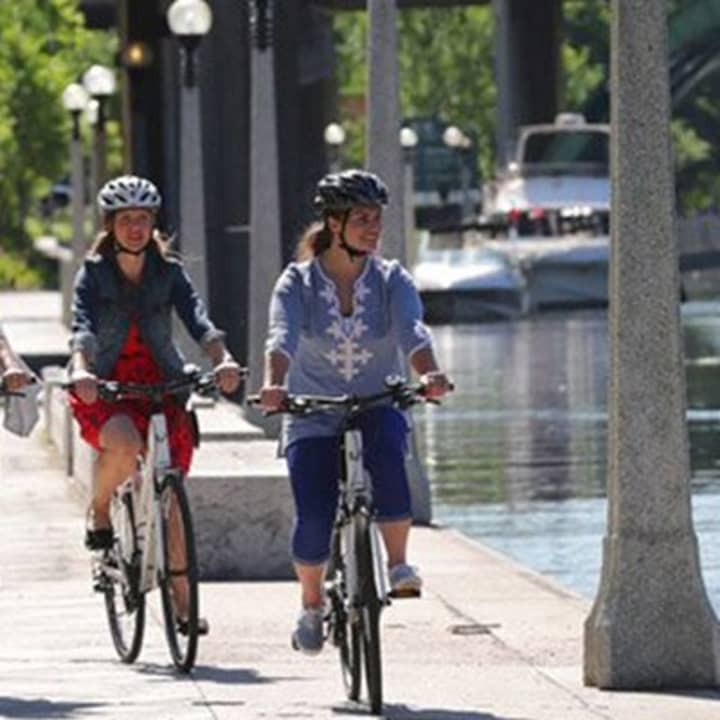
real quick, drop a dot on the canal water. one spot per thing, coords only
(517, 455)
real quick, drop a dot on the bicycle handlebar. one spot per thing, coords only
(402, 394)
(4, 392)
(202, 383)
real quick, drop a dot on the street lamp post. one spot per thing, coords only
(265, 229)
(190, 21)
(460, 143)
(75, 100)
(408, 142)
(99, 82)
(334, 138)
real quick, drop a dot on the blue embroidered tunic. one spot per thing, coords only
(333, 355)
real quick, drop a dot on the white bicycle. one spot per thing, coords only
(153, 542)
(357, 586)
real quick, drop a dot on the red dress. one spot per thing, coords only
(136, 364)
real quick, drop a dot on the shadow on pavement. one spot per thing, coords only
(208, 673)
(11, 707)
(403, 712)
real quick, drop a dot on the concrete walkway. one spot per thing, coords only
(488, 641)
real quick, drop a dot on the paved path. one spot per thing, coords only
(489, 640)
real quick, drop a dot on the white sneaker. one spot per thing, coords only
(404, 581)
(308, 635)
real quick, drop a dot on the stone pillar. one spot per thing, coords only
(193, 237)
(652, 625)
(384, 120)
(265, 231)
(385, 159)
(192, 193)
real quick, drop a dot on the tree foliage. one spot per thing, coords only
(44, 46)
(447, 71)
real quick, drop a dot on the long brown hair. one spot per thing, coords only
(104, 243)
(314, 241)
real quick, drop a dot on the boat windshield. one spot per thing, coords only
(566, 152)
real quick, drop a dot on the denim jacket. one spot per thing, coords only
(104, 306)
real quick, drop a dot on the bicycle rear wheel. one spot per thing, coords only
(120, 568)
(368, 615)
(344, 634)
(178, 579)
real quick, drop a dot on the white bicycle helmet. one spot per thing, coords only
(128, 191)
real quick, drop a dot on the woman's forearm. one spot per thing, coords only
(276, 367)
(217, 352)
(423, 361)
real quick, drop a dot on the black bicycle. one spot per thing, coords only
(153, 539)
(356, 584)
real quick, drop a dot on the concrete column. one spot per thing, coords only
(192, 194)
(652, 625)
(191, 211)
(265, 230)
(384, 120)
(385, 159)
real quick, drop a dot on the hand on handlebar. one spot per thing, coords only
(436, 384)
(227, 376)
(273, 398)
(14, 378)
(85, 386)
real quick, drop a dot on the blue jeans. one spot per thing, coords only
(314, 471)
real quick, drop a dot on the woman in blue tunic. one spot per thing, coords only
(341, 318)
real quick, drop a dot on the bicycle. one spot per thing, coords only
(153, 542)
(356, 583)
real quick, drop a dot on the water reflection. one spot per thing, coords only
(517, 456)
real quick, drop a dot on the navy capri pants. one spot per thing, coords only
(314, 471)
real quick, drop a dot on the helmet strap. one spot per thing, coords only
(353, 253)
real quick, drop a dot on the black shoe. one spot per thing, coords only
(100, 539)
(203, 626)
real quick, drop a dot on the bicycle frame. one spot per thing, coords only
(356, 496)
(157, 463)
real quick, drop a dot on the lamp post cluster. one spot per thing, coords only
(89, 98)
(461, 144)
(335, 136)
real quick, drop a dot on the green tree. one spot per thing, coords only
(43, 47)
(446, 71)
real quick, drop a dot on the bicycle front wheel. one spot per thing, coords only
(179, 577)
(368, 613)
(120, 568)
(345, 634)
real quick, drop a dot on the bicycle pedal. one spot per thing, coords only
(405, 593)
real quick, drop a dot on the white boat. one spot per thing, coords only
(459, 282)
(543, 240)
(550, 212)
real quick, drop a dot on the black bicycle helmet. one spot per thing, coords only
(339, 192)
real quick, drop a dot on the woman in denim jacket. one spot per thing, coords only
(339, 321)
(121, 329)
